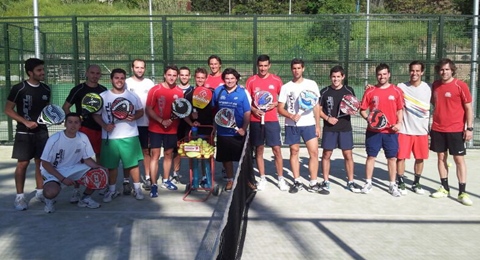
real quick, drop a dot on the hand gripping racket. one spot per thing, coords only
(95, 179)
(181, 108)
(201, 97)
(225, 117)
(121, 108)
(51, 115)
(262, 100)
(378, 120)
(306, 101)
(349, 105)
(91, 103)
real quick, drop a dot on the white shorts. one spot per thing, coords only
(74, 172)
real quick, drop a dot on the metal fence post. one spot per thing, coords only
(255, 44)
(75, 49)
(8, 82)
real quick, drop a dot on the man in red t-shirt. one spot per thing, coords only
(269, 133)
(162, 129)
(214, 79)
(389, 99)
(452, 125)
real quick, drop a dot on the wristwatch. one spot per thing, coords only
(469, 128)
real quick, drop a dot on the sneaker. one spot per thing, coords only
(127, 189)
(49, 207)
(138, 194)
(402, 188)
(325, 188)
(175, 179)
(229, 185)
(169, 185)
(464, 199)
(39, 196)
(147, 185)
(393, 189)
(417, 188)
(110, 195)
(282, 185)
(367, 188)
(154, 191)
(440, 193)
(75, 198)
(261, 185)
(203, 182)
(20, 203)
(353, 187)
(296, 187)
(88, 202)
(314, 188)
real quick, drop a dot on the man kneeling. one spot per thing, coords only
(67, 157)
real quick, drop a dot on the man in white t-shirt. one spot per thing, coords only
(120, 137)
(413, 135)
(140, 85)
(66, 158)
(305, 126)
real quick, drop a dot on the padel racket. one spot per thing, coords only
(95, 179)
(306, 101)
(51, 115)
(225, 117)
(121, 108)
(201, 97)
(262, 100)
(377, 120)
(349, 105)
(181, 108)
(91, 103)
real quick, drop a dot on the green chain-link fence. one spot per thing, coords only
(359, 43)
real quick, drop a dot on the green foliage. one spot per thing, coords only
(329, 7)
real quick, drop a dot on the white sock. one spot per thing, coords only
(21, 195)
(147, 177)
(112, 188)
(136, 185)
(392, 183)
(39, 190)
(165, 180)
(368, 181)
(280, 178)
(175, 173)
(263, 177)
(313, 182)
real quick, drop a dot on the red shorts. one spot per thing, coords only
(416, 144)
(95, 138)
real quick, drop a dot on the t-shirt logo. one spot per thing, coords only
(448, 94)
(45, 97)
(391, 97)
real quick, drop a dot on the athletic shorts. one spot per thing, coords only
(416, 144)
(375, 141)
(342, 140)
(127, 150)
(29, 145)
(269, 134)
(229, 148)
(293, 134)
(74, 172)
(167, 141)
(440, 142)
(143, 136)
(95, 138)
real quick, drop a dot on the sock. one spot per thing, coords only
(392, 183)
(263, 177)
(461, 188)
(400, 179)
(112, 188)
(368, 181)
(313, 182)
(147, 177)
(445, 183)
(175, 173)
(417, 178)
(165, 180)
(280, 178)
(126, 180)
(20, 195)
(136, 185)
(39, 190)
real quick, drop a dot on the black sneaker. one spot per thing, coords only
(353, 187)
(127, 189)
(147, 185)
(314, 188)
(175, 179)
(296, 187)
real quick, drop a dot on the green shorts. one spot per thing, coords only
(127, 150)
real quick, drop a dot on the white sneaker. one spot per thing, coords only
(262, 184)
(368, 187)
(88, 202)
(282, 185)
(39, 196)
(138, 194)
(20, 203)
(49, 207)
(393, 189)
(75, 198)
(110, 195)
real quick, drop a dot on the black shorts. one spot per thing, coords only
(29, 145)
(143, 136)
(269, 134)
(440, 142)
(229, 148)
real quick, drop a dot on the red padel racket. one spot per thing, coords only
(349, 105)
(121, 108)
(201, 97)
(95, 179)
(378, 120)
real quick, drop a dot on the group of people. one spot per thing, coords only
(100, 140)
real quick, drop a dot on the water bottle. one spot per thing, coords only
(194, 131)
